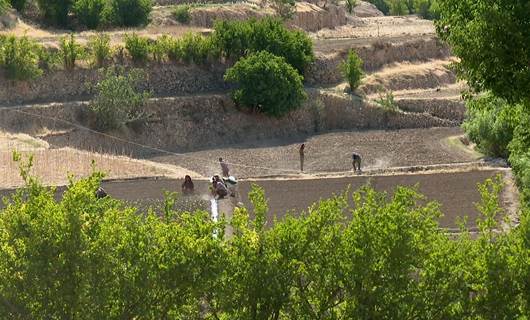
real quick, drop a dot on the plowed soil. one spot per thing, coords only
(456, 192)
(330, 152)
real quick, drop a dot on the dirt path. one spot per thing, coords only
(456, 192)
(329, 152)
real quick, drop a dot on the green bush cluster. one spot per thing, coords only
(426, 9)
(182, 13)
(490, 123)
(117, 100)
(4, 6)
(381, 258)
(352, 69)
(235, 39)
(19, 58)
(267, 84)
(95, 13)
(19, 5)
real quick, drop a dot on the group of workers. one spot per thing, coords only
(225, 185)
(221, 186)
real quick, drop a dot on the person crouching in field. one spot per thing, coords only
(219, 189)
(187, 186)
(356, 162)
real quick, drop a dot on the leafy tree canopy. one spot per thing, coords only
(492, 40)
(267, 84)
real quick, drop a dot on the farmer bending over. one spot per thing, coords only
(356, 162)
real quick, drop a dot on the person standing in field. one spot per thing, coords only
(187, 186)
(356, 162)
(302, 155)
(224, 168)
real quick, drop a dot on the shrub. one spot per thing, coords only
(381, 5)
(284, 8)
(490, 123)
(100, 51)
(387, 102)
(70, 51)
(161, 48)
(19, 58)
(117, 101)
(350, 5)
(91, 13)
(234, 39)
(19, 5)
(267, 84)
(182, 13)
(352, 70)
(4, 5)
(55, 11)
(138, 47)
(195, 48)
(398, 7)
(49, 59)
(130, 13)
(427, 9)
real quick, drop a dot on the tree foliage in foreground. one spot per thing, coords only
(267, 84)
(492, 40)
(381, 258)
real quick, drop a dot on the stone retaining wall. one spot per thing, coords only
(326, 71)
(162, 80)
(454, 110)
(174, 80)
(195, 122)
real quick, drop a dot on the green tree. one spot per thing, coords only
(70, 51)
(4, 5)
(490, 123)
(381, 5)
(138, 47)
(235, 39)
(117, 100)
(130, 13)
(398, 7)
(350, 5)
(55, 11)
(492, 41)
(285, 9)
(99, 49)
(352, 70)
(266, 83)
(91, 13)
(19, 58)
(182, 13)
(19, 5)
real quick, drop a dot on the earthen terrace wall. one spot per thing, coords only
(195, 122)
(176, 80)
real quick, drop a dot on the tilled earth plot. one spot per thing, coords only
(456, 192)
(330, 152)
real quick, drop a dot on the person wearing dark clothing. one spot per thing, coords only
(100, 193)
(219, 189)
(356, 162)
(224, 168)
(302, 156)
(187, 185)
